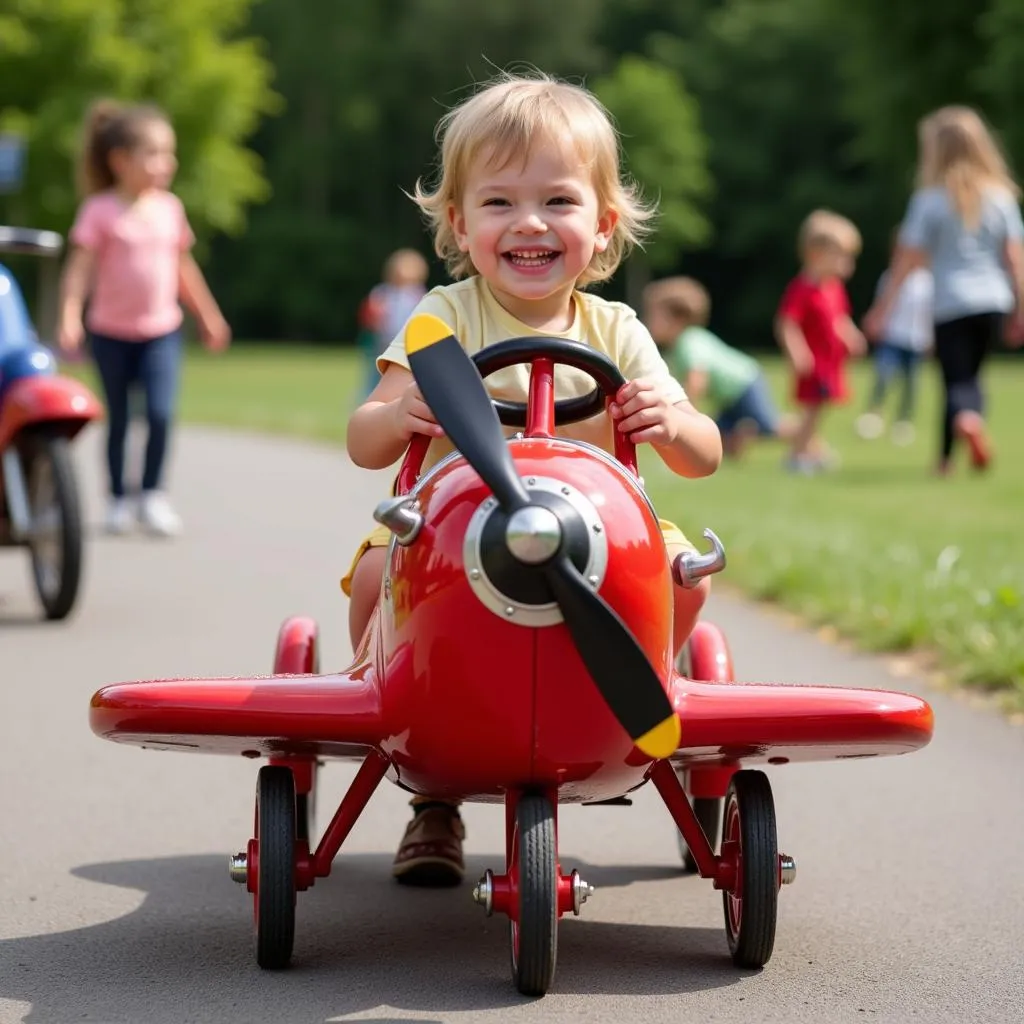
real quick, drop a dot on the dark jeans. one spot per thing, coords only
(154, 365)
(961, 346)
(889, 359)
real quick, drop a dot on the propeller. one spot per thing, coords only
(455, 392)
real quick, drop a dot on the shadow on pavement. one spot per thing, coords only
(363, 944)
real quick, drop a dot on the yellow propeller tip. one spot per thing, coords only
(662, 740)
(424, 330)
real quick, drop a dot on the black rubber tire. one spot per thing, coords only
(751, 938)
(53, 452)
(533, 962)
(275, 890)
(708, 810)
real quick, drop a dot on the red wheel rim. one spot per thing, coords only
(732, 847)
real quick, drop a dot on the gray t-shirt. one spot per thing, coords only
(968, 267)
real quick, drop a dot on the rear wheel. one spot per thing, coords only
(55, 542)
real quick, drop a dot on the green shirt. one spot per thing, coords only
(729, 371)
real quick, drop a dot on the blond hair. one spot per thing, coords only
(109, 126)
(682, 298)
(824, 228)
(958, 152)
(505, 121)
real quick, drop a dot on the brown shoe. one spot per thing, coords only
(431, 849)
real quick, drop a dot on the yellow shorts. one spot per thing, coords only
(379, 537)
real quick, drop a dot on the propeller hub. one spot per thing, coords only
(533, 534)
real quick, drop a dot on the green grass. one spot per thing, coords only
(880, 551)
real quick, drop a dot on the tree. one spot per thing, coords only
(665, 151)
(186, 55)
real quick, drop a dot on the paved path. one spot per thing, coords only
(115, 902)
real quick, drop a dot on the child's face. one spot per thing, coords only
(830, 261)
(151, 163)
(531, 230)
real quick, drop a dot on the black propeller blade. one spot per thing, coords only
(453, 389)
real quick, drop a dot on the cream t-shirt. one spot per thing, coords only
(478, 320)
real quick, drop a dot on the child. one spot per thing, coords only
(130, 247)
(963, 220)
(390, 304)
(814, 328)
(529, 209)
(676, 311)
(907, 336)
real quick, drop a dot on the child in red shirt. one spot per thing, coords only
(815, 329)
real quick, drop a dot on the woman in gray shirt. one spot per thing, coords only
(964, 222)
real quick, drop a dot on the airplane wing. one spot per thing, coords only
(726, 723)
(333, 715)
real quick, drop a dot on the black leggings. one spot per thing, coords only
(961, 346)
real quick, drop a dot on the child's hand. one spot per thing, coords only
(215, 333)
(855, 341)
(70, 335)
(642, 409)
(803, 361)
(413, 415)
(874, 322)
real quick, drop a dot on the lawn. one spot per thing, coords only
(879, 551)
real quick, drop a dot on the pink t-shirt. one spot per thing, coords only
(138, 249)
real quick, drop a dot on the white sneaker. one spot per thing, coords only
(903, 432)
(119, 516)
(870, 425)
(157, 515)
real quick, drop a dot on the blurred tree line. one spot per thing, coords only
(300, 125)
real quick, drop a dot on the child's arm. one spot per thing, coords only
(905, 260)
(688, 442)
(196, 295)
(381, 428)
(794, 344)
(74, 287)
(854, 341)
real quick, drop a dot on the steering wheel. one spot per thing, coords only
(605, 373)
(541, 413)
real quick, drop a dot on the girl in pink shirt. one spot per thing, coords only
(130, 252)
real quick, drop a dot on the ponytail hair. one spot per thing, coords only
(109, 126)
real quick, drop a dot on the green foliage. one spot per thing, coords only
(186, 55)
(665, 150)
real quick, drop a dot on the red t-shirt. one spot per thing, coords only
(816, 308)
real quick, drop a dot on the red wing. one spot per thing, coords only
(726, 723)
(334, 715)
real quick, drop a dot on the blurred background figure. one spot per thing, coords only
(676, 312)
(814, 328)
(907, 337)
(130, 247)
(964, 222)
(385, 310)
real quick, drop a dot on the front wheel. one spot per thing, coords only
(534, 937)
(55, 541)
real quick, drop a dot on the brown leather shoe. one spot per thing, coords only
(430, 853)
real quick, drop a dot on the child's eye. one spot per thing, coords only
(562, 201)
(495, 201)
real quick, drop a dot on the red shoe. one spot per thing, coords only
(971, 427)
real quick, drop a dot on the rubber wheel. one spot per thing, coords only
(708, 810)
(274, 900)
(751, 911)
(56, 550)
(534, 940)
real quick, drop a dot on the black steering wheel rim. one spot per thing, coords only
(606, 375)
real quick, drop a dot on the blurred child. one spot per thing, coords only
(815, 331)
(676, 311)
(906, 338)
(530, 208)
(130, 247)
(389, 305)
(963, 221)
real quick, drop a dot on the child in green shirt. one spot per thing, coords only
(676, 311)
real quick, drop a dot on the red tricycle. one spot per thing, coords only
(520, 653)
